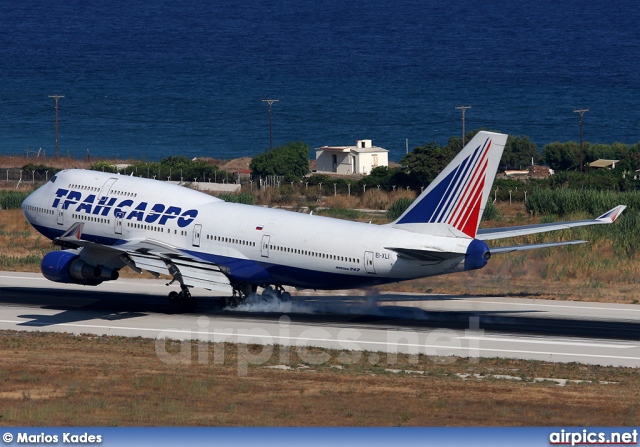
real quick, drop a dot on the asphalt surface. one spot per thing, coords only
(436, 325)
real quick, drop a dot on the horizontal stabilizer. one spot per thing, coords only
(513, 248)
(425, 255)
(487, 234)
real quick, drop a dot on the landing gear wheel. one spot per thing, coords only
(173, 298)
(282, 294)
(241, 291)
(230, 301)
(182, 301)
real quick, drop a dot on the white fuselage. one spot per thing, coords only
(255, 245)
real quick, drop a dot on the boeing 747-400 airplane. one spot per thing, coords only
(104, 222)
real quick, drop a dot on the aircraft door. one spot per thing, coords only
(118, 225)
(264, 248)
(60, 212)
(197, 229)
(107, 187)
(368, 262)
(118, 216)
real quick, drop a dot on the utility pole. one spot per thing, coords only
(56, 97)
(270, 101)
(581, 112)
(464, 109)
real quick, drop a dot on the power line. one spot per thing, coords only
(270, 101)
(56, 97)
(581, 112)
(464, 109)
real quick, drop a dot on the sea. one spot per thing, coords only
(147, 79)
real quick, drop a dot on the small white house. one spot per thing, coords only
(358, 159)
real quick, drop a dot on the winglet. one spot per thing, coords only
(74, 231)
(611, 215)
(72, 238)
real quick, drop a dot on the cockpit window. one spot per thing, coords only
(53, 179)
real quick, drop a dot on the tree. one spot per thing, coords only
(384, 176)
(290, 160)
(518, 152)
(176, 161)
(633, 158)
(424, 163)
(104, 166)
(40, 170)
(562, 156)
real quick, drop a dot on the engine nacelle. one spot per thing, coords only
(67, 267)
(477, 255)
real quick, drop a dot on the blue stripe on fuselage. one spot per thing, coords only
(262, 273)
(52, 233)
(255, 272)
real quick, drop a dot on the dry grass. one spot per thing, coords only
(590, 272)
(58, 379)
(23, 247)
(16, 161)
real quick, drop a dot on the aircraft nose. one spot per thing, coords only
(28, 207)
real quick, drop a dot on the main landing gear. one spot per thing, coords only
(241, 292)
(182, 301)
(276, 292)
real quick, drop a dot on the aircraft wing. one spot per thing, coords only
(194, 273)
(151, 255)
(488, 234)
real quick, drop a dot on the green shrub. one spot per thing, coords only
(342, 213)
(12, 199)
(491, 212)
(398, 207)
(571, 201)
(247, 199)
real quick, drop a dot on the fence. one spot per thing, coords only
(22, 176)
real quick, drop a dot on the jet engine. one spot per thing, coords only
(477, 255)
(67, 267)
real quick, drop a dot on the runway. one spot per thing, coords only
(436, 325)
